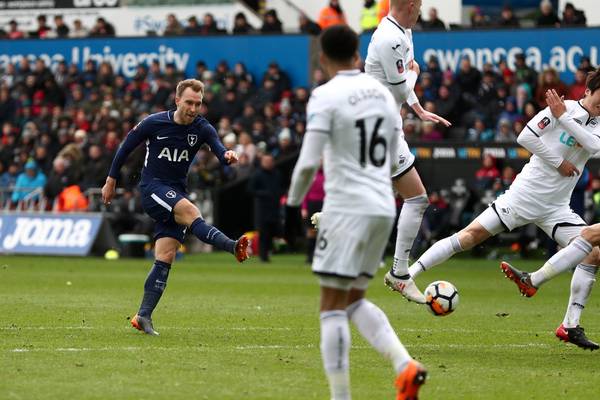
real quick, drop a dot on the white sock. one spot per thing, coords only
(409, 223)
(581, 287)
(436, 254)
(335, 349)
(565, 259)
(375, 327)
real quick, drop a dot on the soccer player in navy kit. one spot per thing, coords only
(172, 139)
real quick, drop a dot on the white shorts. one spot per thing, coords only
(406, 158)
(349, 249)
(562, 224)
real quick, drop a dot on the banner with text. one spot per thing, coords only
(256, 52)
(50, 4)
(560, 49)
(45, 233)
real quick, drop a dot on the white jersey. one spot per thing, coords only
(540, 188)
(359, 116)
(390, 52)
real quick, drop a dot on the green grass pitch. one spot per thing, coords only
(250, 331)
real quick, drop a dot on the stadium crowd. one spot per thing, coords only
(331, 14)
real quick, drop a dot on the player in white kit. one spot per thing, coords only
(351, 125)
(391, 60)
(541, 194)
(577, 253)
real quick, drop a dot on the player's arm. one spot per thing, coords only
(590, 142)
(135, 136)
(225, 156)
(318, 132)
(530, 136)
(400, 75)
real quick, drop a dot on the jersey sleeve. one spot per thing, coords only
(589, 141)
(318, 114)
(394, 61)
(213, 141)
(137, 135)
(542, 123)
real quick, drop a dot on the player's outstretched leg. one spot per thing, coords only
(521, 278)
(211, 235)
(374, 326)
(576, 336)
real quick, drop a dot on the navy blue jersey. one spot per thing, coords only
(170, 147)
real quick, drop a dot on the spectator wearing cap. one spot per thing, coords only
(508, 18)
(572, 16)
(547, 17)
(241, 26)
(13, 30)
(193, 27)
(28, 181)
(331, 15)
(434, 23)
(271, 23)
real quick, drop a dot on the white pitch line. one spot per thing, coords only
(271, 347)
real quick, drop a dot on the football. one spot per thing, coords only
(441, 297)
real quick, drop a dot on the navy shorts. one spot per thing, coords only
(158, 201)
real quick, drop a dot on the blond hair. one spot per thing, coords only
(195, 84)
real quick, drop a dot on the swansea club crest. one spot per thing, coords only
(192, 139)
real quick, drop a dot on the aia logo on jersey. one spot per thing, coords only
(192, 139)
(544, 123)
(171, 194)
(400, 66)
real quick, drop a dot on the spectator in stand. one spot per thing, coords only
(505, 133)
(331, 15)
(577, 88)
(430, 133)
(173, 27)
(271, 23)
(192, 28)
(42, 29)
(313, 202)
(60, 177)
(547, 81)
(368, 16)
(508, 18)
(279, 77)
(572, 16)
(524, 73)
(468, 79)
(547, 17)
(479, 132)
(434, 23)
(9, 178)
(241, 26)
(209, 26)
(28, 181)
(102, 28)
(308, 26)
(487, 174)
(13, 30)
(267, 188)
(61, 29)
(79, 31)
(584, 63)
(478, 19)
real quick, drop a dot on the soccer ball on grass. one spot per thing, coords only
(441, 298)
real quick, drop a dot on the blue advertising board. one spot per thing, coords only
(256, 52)
(46, 233)
(560, 49)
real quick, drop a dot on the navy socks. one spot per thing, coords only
(155, 285)
(211, 235)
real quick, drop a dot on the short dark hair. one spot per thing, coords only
(593, 80)
(339, 43)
